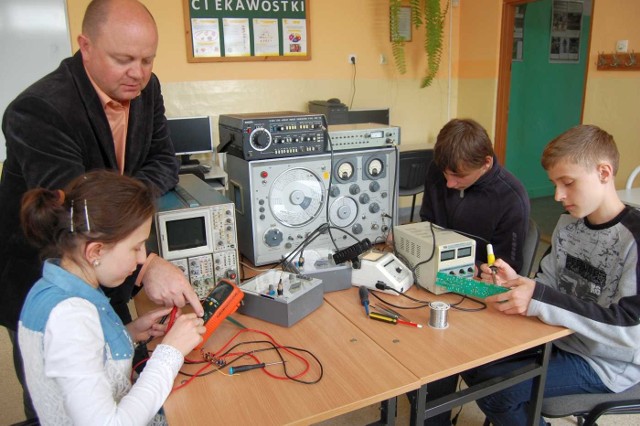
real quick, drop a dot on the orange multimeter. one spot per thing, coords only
(222, 301)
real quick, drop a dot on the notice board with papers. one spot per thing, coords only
(247, 30)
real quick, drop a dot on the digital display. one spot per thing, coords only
(447, 255)
(186, 234)
(464, 252)
(378, 134)
(213, 301)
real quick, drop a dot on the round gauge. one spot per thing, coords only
(260, 139)
(296, 197)
(343, 211)
(345, 170)
(374, 167)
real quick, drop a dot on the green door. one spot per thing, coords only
(546, 94)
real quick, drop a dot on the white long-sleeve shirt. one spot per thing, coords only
(76, 372)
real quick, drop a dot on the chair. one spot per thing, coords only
(530, 247)
(632, 177)
(413, 172)
(589, 407)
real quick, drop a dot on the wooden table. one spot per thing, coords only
(357, 373)
(472, 339)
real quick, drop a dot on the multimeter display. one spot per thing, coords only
(215, 298)
(221, 302)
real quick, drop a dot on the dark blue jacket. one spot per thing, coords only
(496, 208)
(55, 131)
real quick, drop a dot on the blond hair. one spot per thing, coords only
(586, 145)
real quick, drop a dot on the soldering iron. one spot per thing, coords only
(491, 259)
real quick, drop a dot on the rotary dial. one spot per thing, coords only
(343, 211)
(296, 197)
(260, 139)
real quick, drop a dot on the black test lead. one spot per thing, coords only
(364, 298)
(241, 368)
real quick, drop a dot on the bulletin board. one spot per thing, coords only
(247, 30)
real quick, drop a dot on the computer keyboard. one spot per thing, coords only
(195, 168)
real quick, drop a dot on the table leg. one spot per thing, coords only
(536, 370)
(388, 412)
(418, 399)
(537, 389)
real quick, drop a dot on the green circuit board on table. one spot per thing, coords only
(468, 286)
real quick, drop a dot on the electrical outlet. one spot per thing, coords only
(622, 46)
(352, 58)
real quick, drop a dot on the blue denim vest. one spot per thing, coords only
(57, 285)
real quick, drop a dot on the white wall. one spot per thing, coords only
(34, 38)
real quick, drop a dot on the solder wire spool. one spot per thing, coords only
(438, 314)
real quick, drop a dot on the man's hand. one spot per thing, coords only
(165, 284)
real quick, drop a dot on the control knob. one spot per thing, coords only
(273, 237)
(260, 139)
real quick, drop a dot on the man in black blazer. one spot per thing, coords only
(101, 109)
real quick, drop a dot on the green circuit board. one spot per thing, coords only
(468, 286)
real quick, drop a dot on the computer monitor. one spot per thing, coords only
(190, 135)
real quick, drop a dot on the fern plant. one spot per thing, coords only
(397, 41)
(429, 14)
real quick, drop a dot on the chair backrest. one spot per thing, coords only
(530, 247)
(413, 167)
(632, 177)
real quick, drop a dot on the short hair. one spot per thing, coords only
(116, 205)
(462, 144)
(586, 145)
(97, 15)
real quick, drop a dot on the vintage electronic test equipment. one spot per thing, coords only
(262, 135)
(282, 201)
(453, 253)
(195, 229)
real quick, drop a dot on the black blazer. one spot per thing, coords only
(56, 130)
